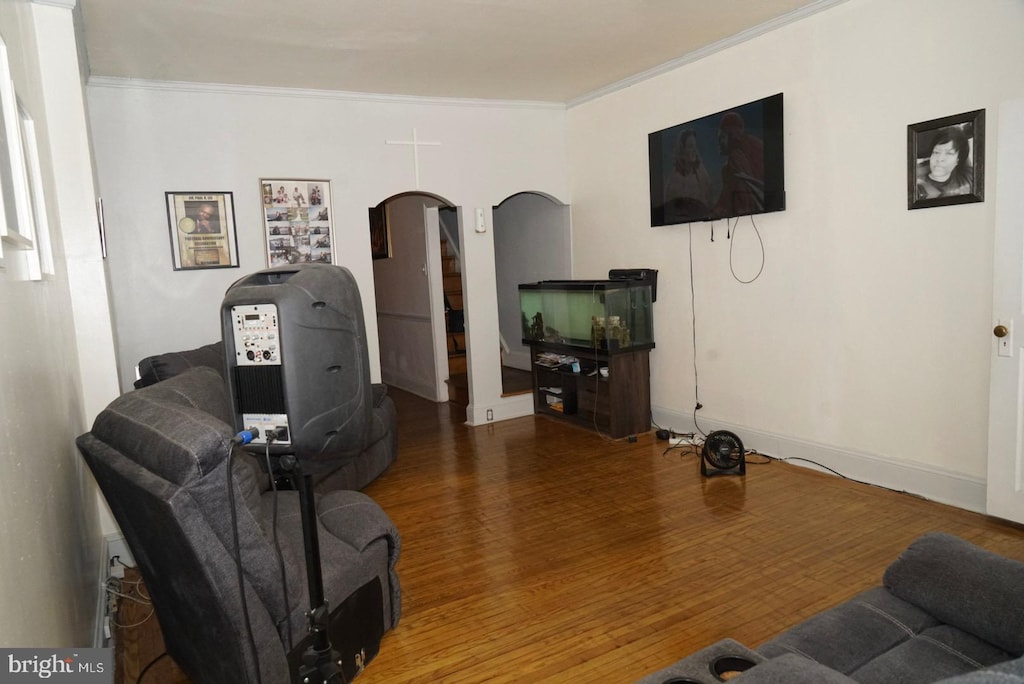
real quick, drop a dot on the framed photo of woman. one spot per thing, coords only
(946, 161)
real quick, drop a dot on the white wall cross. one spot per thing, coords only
(415, 142)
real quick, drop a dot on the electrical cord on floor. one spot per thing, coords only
(151, 663)
(119, 625)
(833, 471)
(137, 597)
(129, 590)
(747, 453)
(687, 449)
(688, 442)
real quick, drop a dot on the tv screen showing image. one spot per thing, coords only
(719, 166)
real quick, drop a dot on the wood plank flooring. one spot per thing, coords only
(537, 552)
(515, 381)
(533, 551)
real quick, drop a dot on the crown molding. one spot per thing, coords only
(266, 91)
(696, 55)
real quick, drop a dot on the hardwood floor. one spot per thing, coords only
(515, 381)
(533, 551)
(538, 552)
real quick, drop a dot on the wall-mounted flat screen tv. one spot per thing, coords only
(719, 166)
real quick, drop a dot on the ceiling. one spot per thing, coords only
(535, 50)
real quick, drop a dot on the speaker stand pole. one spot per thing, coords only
(320, 663)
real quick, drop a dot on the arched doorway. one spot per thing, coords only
(410, 291)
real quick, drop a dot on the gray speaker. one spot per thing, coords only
(297, 361)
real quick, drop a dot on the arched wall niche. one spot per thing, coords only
(532, 242)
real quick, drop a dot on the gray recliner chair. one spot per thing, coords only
(222, 553)
(377, 454)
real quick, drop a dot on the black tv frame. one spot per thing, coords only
(762, 119)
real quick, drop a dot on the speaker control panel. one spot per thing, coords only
(256, 334)
(258, 372)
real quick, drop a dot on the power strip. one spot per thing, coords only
(664, 434)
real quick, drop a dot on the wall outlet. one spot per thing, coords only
(116, 569)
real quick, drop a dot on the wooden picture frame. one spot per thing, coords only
(202, 230)
(946, 161)
(298, 221)
(380, 232)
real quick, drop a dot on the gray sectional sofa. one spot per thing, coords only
(948, 611)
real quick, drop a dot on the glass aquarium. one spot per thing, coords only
(608, 315)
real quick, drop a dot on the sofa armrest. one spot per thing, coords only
(356, 519)
(699, 667)
(963, 585)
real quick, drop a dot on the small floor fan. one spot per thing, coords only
(722, 454)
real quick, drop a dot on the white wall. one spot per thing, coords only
(50, 564)
(151, 138)
(866, 341)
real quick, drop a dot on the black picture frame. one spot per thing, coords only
(950, 136)
(202, 230)
(380, 232)
(298, 221)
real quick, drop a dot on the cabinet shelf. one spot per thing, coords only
(618, 404)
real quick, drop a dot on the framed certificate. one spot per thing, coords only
(202, 228)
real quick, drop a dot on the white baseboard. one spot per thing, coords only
(424, 389)
(516, 406)
(929, 482)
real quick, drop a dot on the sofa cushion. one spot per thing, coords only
(963, 585)
(936, 653)
(853, 633)
(169, 427)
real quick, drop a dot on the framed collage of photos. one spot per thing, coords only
(297, 218)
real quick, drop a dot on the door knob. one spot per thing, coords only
(1000, 331)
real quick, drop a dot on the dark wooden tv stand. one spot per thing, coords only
(618, 405)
